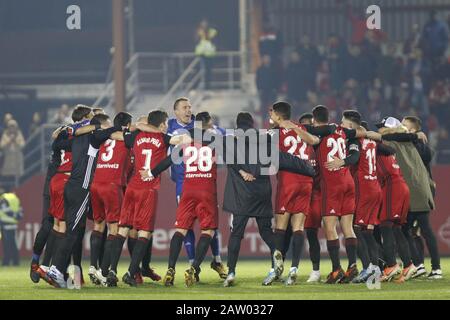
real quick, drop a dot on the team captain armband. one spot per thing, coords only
(353, 147)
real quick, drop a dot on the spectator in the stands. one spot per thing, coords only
(270, 43)
(389, 71)
(440, 102)
(336, 55)
(359, 66)
(10, 215)
(359, 24)
(8, 116)
(36, 123)
(11, 145)
(63, 115)
(442, 70)
(296, 79)
(206, 49)
(439, 140)
(413, 40)
(402, 101)
(311, 59)
(434, 41)
(443, 146)
(358, 21)
(267, 83)
(323, 77)
(349, 94)
(376, 105)
(372, 52)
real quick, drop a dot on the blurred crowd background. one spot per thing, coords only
(367, 72)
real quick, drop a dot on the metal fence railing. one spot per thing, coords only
(173, 73)
(37, 152)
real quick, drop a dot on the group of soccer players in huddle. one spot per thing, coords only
(109, 171)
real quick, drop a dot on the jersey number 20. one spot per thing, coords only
(337, 147)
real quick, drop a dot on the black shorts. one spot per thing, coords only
(76, 205)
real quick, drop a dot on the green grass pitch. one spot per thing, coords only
(15, 284)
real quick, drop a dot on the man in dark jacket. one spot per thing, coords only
(248, 193)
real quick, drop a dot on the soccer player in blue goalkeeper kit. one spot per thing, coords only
(184, 120)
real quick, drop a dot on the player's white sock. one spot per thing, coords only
(191, 261)
(217, 259)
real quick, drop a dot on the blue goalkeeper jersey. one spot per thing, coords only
(177, 170)
(77, 125)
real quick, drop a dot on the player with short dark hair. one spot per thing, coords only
(338, 193)
(313, 221)
(46, 235)
(61, 147)
(198, 200)
(294, 190)
(184, 121)
(81, 112)
(77, 192)
(306, 118)
(248, 194)
(139, 204)
(395, 205)
(368, 199)
(107, 190)
(393, 212)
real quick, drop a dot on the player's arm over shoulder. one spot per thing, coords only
(294, 164)
(62, 141)
(301, 132)
(321, 131)
(178, 139)
(128, 137)
(400, 137)
(357, 133)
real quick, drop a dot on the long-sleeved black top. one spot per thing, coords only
(84, 155)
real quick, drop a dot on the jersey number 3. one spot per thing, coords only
(109, 151)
